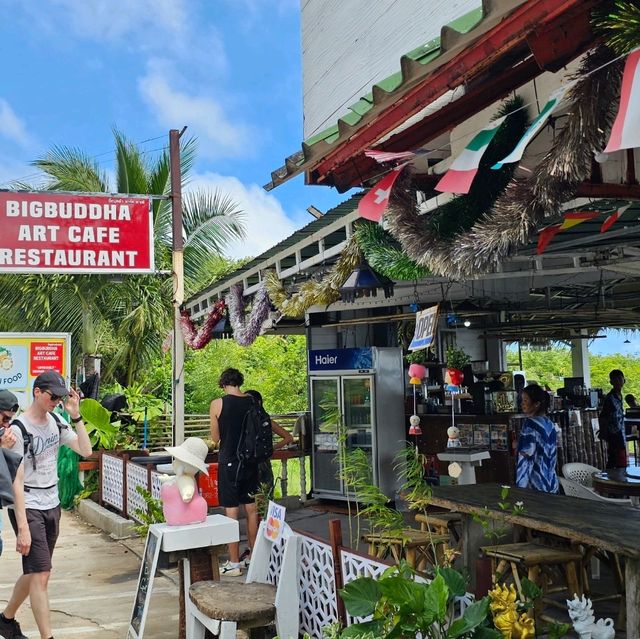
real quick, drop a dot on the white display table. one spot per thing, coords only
(467, 460)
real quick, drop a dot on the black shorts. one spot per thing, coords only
(237, 483)
(44, 526)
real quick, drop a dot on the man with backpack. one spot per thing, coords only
(39, 434)
(235, 421)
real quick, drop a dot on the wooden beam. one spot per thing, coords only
(470, 62)
(611, 191)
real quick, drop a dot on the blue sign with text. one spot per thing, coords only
(341, 359)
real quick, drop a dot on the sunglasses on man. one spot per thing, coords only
(54, 398)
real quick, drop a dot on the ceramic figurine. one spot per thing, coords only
(454, 437)
(504, 610)
(414, 425)
(182, 504)
(584, 621)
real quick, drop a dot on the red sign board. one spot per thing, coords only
(65, 233)
(46, 356)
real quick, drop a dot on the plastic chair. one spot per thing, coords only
(223, 607)
(581, 473)
(575, 489)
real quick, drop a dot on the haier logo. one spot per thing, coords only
(324, 360)
(341, 359)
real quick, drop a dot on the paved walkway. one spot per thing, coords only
(92, 585)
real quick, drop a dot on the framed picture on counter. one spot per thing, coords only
(481, 435)
(499, 439)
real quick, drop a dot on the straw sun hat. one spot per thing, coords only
(192, 451)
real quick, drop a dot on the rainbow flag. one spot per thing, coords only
(625, 133)
(464, 168)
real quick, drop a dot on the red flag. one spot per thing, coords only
(373, 204)
(613, 218)
(546, 235)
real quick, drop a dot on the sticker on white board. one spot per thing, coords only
(275, 521)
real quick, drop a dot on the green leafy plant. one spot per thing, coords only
(152, 514)
(400, 606)
(419, 357)
(495, 529)
(102, 432)
(91, 485)
(457, 358)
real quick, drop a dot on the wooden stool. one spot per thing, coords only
(251, 606)
(441, 524)
(536, 559)
(417, 547)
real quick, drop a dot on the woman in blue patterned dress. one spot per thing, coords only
(537, 446)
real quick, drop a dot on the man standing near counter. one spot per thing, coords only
(39, 436)
(611, 421)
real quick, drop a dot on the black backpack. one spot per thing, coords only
(256, 441)
(27, 437)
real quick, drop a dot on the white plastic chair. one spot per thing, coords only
(581, 473)
(574, 489)
(264, 559)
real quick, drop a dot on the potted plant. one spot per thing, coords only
(457, 359)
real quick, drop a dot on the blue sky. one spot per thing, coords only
(229, 69)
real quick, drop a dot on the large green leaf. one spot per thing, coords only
(474, 615)
(436, 597)
(365, 630)
(406, 594)
(456, 583)
(95, 414)
(361, 596)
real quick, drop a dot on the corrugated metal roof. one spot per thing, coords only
(334, 214)
(415, 67)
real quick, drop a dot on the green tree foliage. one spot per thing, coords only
(551, 366)
(274, 365)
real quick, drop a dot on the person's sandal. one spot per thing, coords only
(229, 569)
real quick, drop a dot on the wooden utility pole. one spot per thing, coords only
(177, 360)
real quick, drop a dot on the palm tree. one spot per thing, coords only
(138, 308)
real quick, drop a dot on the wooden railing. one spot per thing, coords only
(195, 425)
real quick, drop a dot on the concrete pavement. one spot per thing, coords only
(92, 585)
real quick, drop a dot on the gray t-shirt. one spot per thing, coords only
(41, 483)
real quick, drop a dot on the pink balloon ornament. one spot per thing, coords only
(417, 372)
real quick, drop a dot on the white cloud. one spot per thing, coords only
(12, 127)
(266, 222)
(219, 136)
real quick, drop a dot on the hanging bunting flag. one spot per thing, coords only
(388, 156)
(570, 220)
(545, 236)
(554, 100)
(463, 170)
(613, 218)
(625, 133)
(373, 204)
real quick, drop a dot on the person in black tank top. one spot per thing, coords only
(237, 483)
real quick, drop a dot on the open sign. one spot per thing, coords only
(426, 325)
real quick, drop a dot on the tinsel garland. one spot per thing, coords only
(311, 292)
(619, 24)
(384, 253)
(199, 338)
(246, 329)
(525, 203)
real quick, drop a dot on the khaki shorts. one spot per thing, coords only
(44, 526)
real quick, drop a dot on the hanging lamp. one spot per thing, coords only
(363, 281)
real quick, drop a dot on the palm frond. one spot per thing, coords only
(69, 169)
(131, 170)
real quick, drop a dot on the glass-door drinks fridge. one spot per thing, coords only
(357, 402)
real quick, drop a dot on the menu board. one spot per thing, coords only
(145, 583)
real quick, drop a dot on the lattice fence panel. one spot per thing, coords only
(112, 478)
(317, 587)
(155, 484)
(136, 476)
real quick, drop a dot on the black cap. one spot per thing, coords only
(8, 401)
(51, 381)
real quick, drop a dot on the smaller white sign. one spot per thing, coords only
(426, 324)
(275, 521)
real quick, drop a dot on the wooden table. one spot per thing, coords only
(619, 482)
(602, 525)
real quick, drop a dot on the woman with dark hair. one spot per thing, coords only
(537, 446)
(265, 473)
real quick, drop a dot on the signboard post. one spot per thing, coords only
(50, 232)
(23, 356)
(425, 331)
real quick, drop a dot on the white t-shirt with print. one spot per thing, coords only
(41, 483)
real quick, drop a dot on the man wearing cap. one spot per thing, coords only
(14, 474)
(45, 435)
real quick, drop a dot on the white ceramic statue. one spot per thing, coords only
(584, 621)
(454, 437)
(181, 502)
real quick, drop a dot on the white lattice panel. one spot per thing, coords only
(136, 476)
(317, 587)
(155, 484)
(113, 481)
